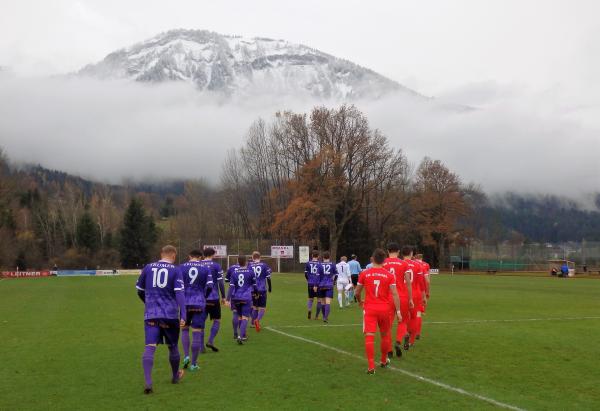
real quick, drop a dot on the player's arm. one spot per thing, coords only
(179, 289)
(427, 283)
(408, 282)
(306, 271)
(140, 286)
(255, 284)
(396, 298)
(230, 291)
(209, 284)
(221, 284)
(359, 288)
(357, 292)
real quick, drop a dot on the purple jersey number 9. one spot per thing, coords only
(193, 273)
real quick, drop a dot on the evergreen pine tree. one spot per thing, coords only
(88, 234)
(138, 235)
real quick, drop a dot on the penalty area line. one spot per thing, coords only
(513, 320)
(407, 373)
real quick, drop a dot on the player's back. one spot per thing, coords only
(398, 268)
(196, 277)
(343, 271)
(229, 272)
(243, 281)
(262, 271)
(415, 270)
(160, 281)
(217, 275)
(328, 271)
(376, 282)
(313, 271)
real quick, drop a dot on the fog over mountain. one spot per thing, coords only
(171, 107)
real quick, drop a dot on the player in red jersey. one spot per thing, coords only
(380, 289)
(418, 289)
(399, 268)
(427, 285)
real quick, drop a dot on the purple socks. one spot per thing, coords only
(213, 331)
(326, 309)
(174, 359)
(148, 363)
(197, 343)
(309, 304)
(235, 322)
(261, 314)
(185, 341)
(319, 306)
(243, 326)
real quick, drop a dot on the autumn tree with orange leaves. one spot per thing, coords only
(437, 204)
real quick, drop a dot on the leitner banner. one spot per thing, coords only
(18, 274)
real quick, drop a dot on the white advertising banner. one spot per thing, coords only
(282, 251)
(220, 249)
(304, 253)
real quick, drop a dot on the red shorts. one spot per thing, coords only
(374, 318)
(418, 300)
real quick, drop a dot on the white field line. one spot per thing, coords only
(513, 320)
(407, 373)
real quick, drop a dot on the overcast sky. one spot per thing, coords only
(433, 46)
(533, 65)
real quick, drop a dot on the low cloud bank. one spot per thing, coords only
(110, 131)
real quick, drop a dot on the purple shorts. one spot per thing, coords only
(196, 317)
(260, 300)
(213, 308)
(162, 331)
(311, 292)
(325, 293)
(242, 307)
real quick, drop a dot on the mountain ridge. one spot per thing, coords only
(237, 65)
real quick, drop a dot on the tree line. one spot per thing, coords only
(324, 178)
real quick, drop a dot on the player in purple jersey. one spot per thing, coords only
(161, 288)
(242, 284)
(216, 297)
(312, 272)
(198, 285)
(326, 281)
(262, 271)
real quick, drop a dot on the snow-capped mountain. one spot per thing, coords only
(232, 65)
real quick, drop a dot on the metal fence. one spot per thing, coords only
(525, 257)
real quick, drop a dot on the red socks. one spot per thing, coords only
(386, 346)
(370, 350)
(402, 330)
(414, 327)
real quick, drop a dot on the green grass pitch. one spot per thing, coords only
(76, 343)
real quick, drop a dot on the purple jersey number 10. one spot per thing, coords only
(160, 277)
